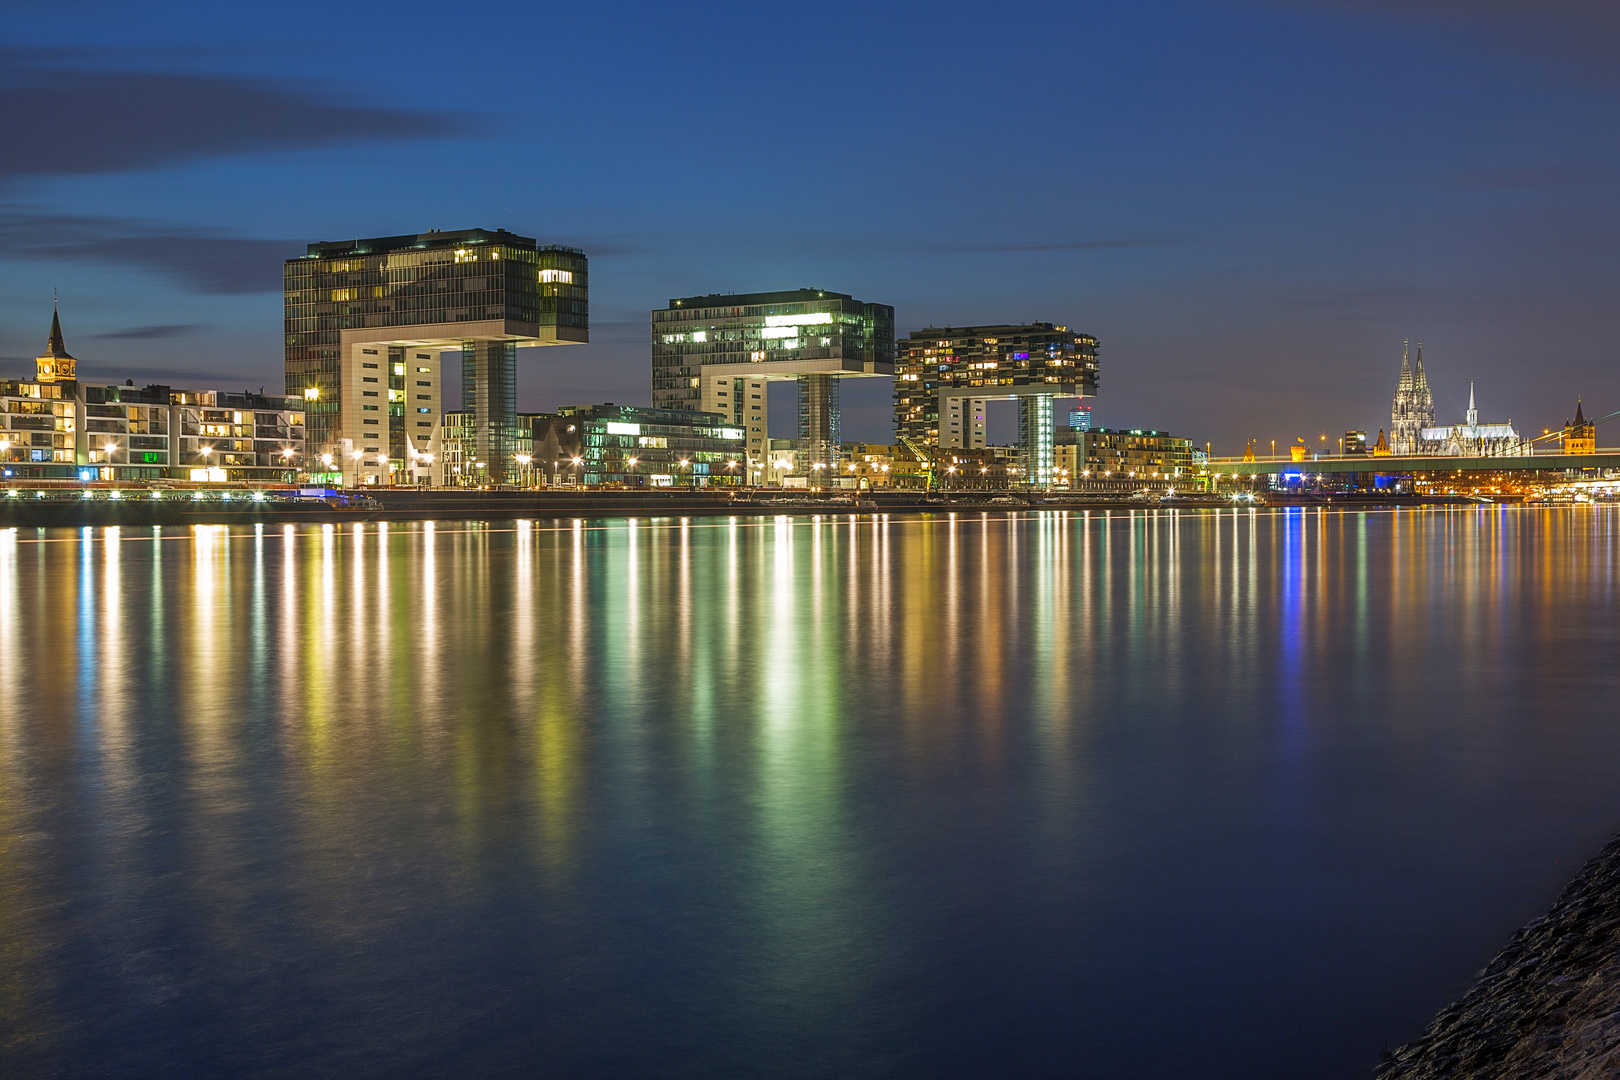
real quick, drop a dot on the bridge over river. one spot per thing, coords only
(1409, 465)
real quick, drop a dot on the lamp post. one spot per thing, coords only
(630, 468)
(111, 448)
(691, 473)
(579, 478)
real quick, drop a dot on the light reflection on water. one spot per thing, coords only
(969, 794)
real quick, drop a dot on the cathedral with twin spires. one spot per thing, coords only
(1414, 406)
(1412, 427)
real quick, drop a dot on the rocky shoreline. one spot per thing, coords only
(1547, 1007)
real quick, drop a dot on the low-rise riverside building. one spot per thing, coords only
(58, 428)
(632, 446)
(869, 465)
(460, 463)
(1111, 453)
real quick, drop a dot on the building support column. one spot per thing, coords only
(820, 433)
(489, 397)
(1035, 438)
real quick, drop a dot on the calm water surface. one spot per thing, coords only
(1144, 794)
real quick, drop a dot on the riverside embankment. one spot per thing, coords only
(1547, 1007)
(137, 508)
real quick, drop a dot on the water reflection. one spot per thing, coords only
(971, 791)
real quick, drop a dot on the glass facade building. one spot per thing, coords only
(637, 447)
(367, 320)
(716, 354)
(945, 376)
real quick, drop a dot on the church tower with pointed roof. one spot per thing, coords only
(1413, 409)
(1580, 434)
(56, 365)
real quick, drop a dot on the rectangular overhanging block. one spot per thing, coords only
(451, 335)
(787, 369)
(1007, 393)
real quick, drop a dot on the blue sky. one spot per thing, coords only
(1249, 204)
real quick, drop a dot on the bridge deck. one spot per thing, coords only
(1603, 459)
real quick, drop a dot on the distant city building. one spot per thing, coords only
(640, 447)
(1472, 439)
(367, 319)
(869, 465)
(1080, 418)
(717, 353)
(56, 427)
(1355, 444)
(946, 376)
(459, 463)
(1413, 409)
(1580, 434)
(1108, 453)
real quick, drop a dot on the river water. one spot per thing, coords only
(1152, 794)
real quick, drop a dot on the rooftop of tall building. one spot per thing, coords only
(433, 238)
(789, 296)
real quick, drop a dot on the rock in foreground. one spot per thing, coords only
(1547, 1007)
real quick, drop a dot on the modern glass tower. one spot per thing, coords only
(366, 321)
(717, 353)
(946, 375)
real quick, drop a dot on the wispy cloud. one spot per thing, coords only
(1046, 245)
(86, 120)
(149, 333)
(204, 260)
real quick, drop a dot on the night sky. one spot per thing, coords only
(1249, 204)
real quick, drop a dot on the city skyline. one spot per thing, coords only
(1250, 229)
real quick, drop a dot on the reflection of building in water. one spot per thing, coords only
(56, 427)
(1472, 439)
